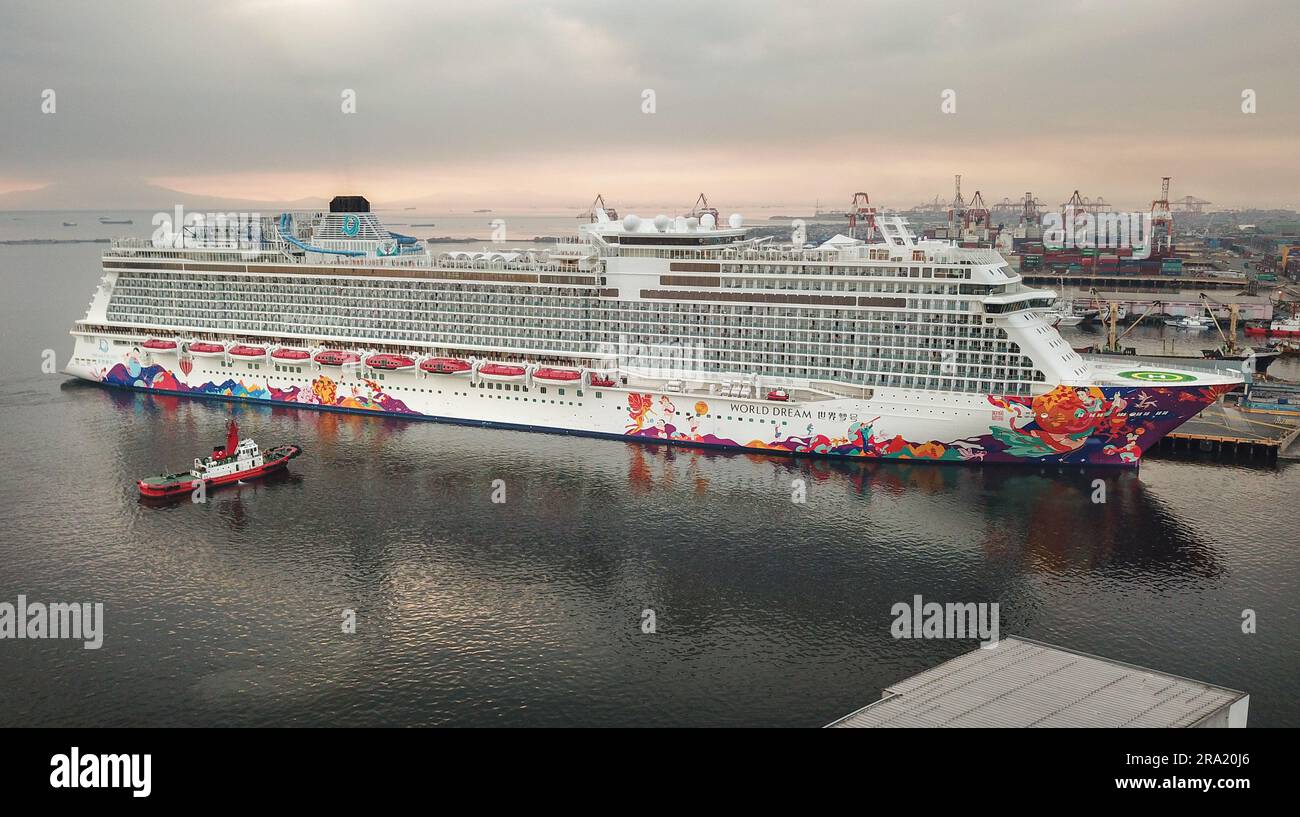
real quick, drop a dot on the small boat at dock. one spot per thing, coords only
(1191, 322)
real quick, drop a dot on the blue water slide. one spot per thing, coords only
(403, 239)
(286, 221)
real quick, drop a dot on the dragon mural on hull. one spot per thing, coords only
(1094, 425)
(1112, 425)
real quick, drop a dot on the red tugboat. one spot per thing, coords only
(235, 461)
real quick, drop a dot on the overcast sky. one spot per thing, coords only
(496, 104)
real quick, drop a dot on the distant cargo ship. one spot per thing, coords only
(665, 330)
(1282, 328)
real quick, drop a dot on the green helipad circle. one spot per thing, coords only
(1150, 376)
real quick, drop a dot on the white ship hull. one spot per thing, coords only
(1099, 425)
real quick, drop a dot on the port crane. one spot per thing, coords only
(701, 207)
(1162, 220)
(599, 204)
(861, 208)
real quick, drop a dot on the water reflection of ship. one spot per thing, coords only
(1054, 520)
(1047, 521)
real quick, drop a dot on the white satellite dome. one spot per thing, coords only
(631, 222)
(662, 222)
(708, 222)
(692, 223)
(736, 220)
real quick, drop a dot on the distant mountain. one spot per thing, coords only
(129, 195)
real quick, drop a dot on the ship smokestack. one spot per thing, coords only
(349, 204)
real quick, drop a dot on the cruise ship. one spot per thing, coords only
(680, 329)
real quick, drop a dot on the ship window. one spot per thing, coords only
(561, 392)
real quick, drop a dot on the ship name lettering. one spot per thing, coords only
(770, 411)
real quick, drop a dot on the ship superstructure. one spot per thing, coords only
(674, 329)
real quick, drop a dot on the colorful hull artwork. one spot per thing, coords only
(1098, 425)
(1092, 425)
(324, 392)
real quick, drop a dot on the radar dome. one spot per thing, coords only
(707, 221)
(736, 220)
(631, 222)
(692, 223)
(662, 222)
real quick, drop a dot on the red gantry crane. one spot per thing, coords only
(862, 210)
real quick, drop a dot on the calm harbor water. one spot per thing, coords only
(529, 612)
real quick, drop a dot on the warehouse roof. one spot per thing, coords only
(1027, 683)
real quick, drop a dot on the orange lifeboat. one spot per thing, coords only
(557, 377)
(336, 357)
(390, 363)
(286, 354)
(601, 380)
(445, 365)
(247, 352)
(159, 345)
(205, 349)
(500, 371)
(779, 395)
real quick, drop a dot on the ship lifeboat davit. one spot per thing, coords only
(287, 354)
(390, 363)
(445, 365)
(242, 351)
(500, 371)
(557, 377)
(158, 345)
(205, 349)
(335, 357)
(779, 395)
